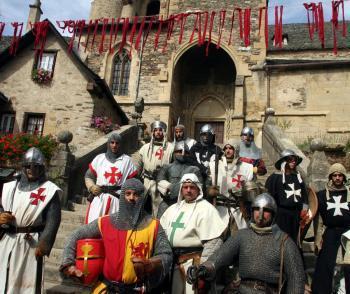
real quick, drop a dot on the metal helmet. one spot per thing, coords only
(33, 156)
(207, 128)
(158, 125)
(286, 153)
(181, 146)
(263, 202)
(247, 131)
(250, 191)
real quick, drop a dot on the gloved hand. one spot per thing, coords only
(194, 273)
(6, 218)
(146, 267)
(213, 191)
(95, 190)
(72, 272)
(39, 252)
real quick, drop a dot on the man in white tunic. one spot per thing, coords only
(194, 228)
(225, 183)
(153, 156)
(30, 214)
(104, 178)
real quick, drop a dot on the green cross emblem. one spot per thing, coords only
(176, 225)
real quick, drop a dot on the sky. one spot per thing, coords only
(17, 10)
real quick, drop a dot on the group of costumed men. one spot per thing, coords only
(185, 217)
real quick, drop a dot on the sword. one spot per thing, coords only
(17, 177)
(216, 171)
(39, 274)
(178, 122)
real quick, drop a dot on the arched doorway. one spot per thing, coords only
(203, 89)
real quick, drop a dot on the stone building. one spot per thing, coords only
(68, 101)
(234, 84)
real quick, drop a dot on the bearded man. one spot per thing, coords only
(334, 214)
(151, 158)
(194, 229)
(137, 252)
(104, 178)
(180, 135)
(267, 259)
(30, 214)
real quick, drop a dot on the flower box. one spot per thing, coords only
(42, 76)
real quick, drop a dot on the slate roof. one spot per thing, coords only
(298, 38)
(5, 42)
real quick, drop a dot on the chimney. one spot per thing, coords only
(34, 14)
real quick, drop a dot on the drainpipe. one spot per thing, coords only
(268, 94)
(140, 65)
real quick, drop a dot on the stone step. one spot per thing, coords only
(68, 227)
(55, 256)
(61, 239)
(72, 217)
(52, 288)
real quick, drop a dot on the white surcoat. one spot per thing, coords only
(18, 254)
(108, 174)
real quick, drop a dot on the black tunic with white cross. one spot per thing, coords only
(290, 197)
(335, 213)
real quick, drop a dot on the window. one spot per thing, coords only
(153, 8)
(34, 123)
(121, 73)
(7, 123)
(47, 61)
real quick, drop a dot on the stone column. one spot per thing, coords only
(61, 165)
(318, 168)
(238, 115)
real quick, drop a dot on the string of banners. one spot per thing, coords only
(135, 31)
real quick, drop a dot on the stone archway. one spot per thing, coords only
(203, 88)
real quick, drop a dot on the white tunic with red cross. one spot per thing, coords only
(18, 264)
(228, 179)
(108, 174)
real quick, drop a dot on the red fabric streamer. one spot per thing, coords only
(311, 7)
(183, 20)
(17, 33)
(320, 23)
(246, 32)
(39, 30)
(266, 27)
(278, 26)
(105, 23)
(206, 17)
(212, 18)
(195, 26)
(2, 27)
(139, 34)
(133, 30)
(260, 18)
(116, 30)
(231, 28)
(150, 25)
(156, 40)
(124, 33)
(240, 21)
(111, 32)
(170, 28)
(94, 33)
(222, 19)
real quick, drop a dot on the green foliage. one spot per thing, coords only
(283, 123)
(305, 145)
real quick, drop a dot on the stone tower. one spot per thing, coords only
(106, 9)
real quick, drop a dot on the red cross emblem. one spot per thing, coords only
(160, 153)
(37, 197)
(238, 180)
(114, 174)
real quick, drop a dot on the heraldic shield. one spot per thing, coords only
(90, 258)
(313, 207)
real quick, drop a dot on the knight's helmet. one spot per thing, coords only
(264, 202)
(158, 124)
(284, 155)
(209, 131)
(33, 156)
(181, 146)
(247, 131)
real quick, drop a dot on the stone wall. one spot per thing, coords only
(66, 103)
(85, 155)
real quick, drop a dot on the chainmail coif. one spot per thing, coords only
(130, 215)
(112, 157)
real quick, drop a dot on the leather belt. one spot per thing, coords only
(25, 230)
